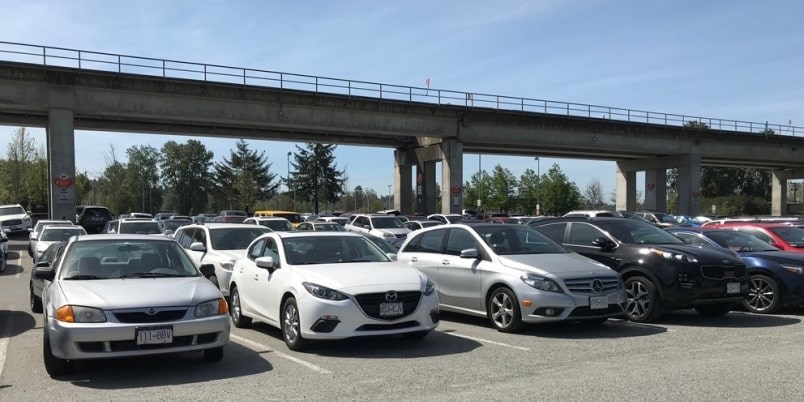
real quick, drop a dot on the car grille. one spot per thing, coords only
(585, 311)
(142, 317)
(585, 285)
(401, 236)
(124, 346)
(723, 271)
(387, 327)
(12, 222)
(370, 303)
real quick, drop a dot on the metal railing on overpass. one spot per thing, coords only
(48, 56)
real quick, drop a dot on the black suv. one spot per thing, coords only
(660, 271)
(94, 219)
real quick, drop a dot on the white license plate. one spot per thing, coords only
(733, 287)
(390, 309)
(154, 335)
(598, 302)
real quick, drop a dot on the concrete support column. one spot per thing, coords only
(656, 190)
(689, 185)
(779, 192)
(402, 183)
(430, 187)
(451, 177)
(61, 169)
(626, 189)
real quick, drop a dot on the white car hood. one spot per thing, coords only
(561, 265)
(394, 231)
(362, 277)
(109, 294)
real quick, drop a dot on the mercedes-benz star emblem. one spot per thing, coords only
(151, 311)
(597, 286)
(390, 296)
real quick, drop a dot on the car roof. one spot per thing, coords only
(749, 224)
(287, 235)
(122, 237)
(217, 225)
(268, 218)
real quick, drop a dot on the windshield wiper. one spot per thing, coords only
(83, 277)
(154, 275)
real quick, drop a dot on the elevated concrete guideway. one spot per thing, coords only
(422, 133)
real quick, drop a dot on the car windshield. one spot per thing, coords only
(517, 239)
(331, 250)
(237, 238)
(12, 211)
(116, 259)
(292, 217)
(790, 234)
(383, 245)
(329, 227)
(633, 231)
(386, 223)
(738, 241)
(61, 234)
(140, 227)
(277, 225)
(173, 224)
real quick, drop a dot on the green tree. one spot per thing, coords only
(185, 172)
(142, 177)
(21, 158)
(244, 178)
(477, 188)
(558, 195)
(315, 176)
(503, 186)
(529, 194)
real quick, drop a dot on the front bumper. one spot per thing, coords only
(696, 291)
(76, 341)
(318, 319)
(552, 306)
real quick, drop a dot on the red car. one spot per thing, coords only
(781, 235)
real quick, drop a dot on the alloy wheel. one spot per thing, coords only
(291, 321)
(502, 310)
(236, 306)
(638, 303)
(761, 296)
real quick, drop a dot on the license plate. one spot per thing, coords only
(733, 287)
(598, 302)
(390, 309)
(15, 228)
(154, 335)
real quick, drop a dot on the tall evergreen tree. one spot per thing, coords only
(316, 177)
(244, 178)
(185, 173)
(559, 195)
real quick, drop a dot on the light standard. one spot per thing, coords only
(480, 183)
(287, 182)
(538, 186)
(389, 196)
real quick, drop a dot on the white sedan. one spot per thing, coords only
(329, 285)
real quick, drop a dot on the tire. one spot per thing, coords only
(714, 310)
(642, 304)
(503, 310)
(236, 310)
(54, 365)
(36, 302)
(213, 355)
(415, 335)
(291, 326)
(763, 295)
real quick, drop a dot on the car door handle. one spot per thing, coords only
(256, 277)
(414, 259)
(444, 262)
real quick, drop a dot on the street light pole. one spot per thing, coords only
(287, 183)
(389, 196)
(538, 186)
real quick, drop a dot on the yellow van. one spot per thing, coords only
(294, 218)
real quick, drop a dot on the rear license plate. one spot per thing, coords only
(390, 309)
(598, 302)
(733, 287)
(154, 335)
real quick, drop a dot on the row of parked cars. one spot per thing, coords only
(129, 294)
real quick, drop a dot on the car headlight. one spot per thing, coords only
(429, 287)
(388, 234)
(794, 269)
(227, 265)
(674, 256)
(70, 313)
(541, 283)
(212, 307)
(322, 292)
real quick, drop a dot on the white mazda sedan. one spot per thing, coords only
(329, 285)
(128, 295)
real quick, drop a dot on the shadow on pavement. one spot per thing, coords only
(735, 319)
(170, 369)
(13, 323)
(12, 269)
(383, 347)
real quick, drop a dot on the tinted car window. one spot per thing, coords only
(431, 242)
(631, 231)
(234, 238)
(386, 223)
(792, 235)
(458, 240)
(583, 234)
(554, 231)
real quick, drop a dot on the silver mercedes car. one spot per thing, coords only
(128, 295)
(513, 275)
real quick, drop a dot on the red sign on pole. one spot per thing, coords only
(419, 178)
(63, 181)
(456, 189)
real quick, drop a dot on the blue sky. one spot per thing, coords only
(738, 60)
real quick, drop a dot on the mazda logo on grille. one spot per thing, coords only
(726, 262)
(390, 296)
(597, 286)
(151, 311)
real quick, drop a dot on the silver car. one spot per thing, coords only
(513, 275)
(128, 295)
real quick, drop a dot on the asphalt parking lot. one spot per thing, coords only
(683, 357)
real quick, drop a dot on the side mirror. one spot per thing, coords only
(170, 233)
(267, 263)
(469, 253)
(604, 243)
(198, 246)
(34, 238)
(42, 264)
(44, 272)
(207, 270)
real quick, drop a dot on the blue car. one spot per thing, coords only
(777, 277)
